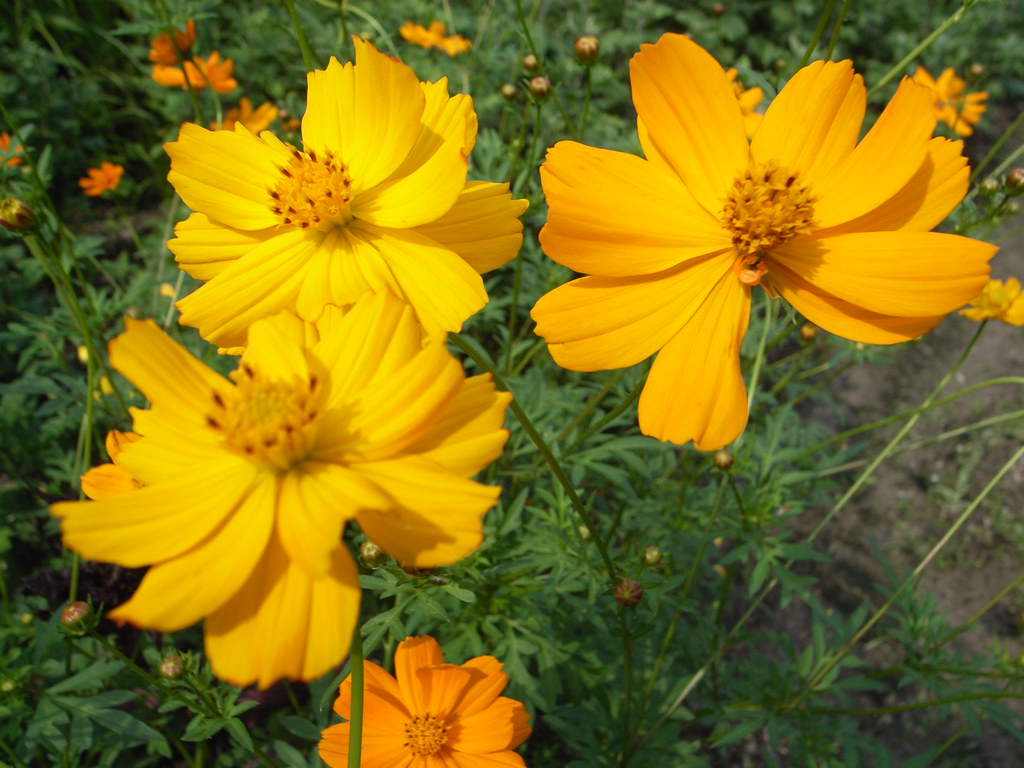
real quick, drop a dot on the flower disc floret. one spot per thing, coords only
(314, 191)
(425, 735)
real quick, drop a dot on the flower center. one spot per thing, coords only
(767, 206)
(425, 735)
(314, 191)
(269, 422)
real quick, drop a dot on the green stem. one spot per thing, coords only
(977, 616)
(819, 31)
(613, 414)
(355, 729)
(969, 696)
(998, 146)
(542, 70)
(939, 31)
(307, 54)
(835, 30)
(588, 88)
(591, 404)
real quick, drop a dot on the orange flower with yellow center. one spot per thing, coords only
(11, 153)
(202, 73)
(837, 227)
(960, 111)
(102, 179)
(434, 36)
(236, 492)
(376, 199)
(431, 714)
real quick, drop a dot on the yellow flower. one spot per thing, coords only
(434, 37)
(10, 152)
(112, 479)
(102, 179)
(255, 120)
(750, 99)
(998, 302)
(210, 72)
(246, 485)
(164, 50)
(675, 243)
(958, 110)
(430, 714)
(376, 200)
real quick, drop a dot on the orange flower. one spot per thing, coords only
(749, 99)
(101, 179)
(12, 154)
(434, 37)
(164, 50)
(255, 120)
(201, 73)
(431, 714)
(108, 480)
(958, 110)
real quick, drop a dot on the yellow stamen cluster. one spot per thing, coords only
(314, 191)
(268, 421)
(425, 735)
(766, 207)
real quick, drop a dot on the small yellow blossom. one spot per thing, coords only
(210, 72)
(255, 120)
(434, 37)
(749, 99)
(83, 353)
(958, 110)
(102, 179)
(167, 290)
(998, 301)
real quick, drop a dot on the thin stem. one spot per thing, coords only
(613, 414)
(588, 88)
(977, 616)
(835, 30)
(969, 696)
(542, 70)
(998, 146)
(769, 316)
(355, 732)
(591, 404)
(307, 54)
(819, 31)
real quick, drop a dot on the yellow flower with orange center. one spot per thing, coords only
(202, 73)
(164, 49)
(376, 199)
(236, 492)
(998, 301)
(431, 714)
(675, 243)
(255, 120)
(102, 179)
(960, 111)
(434, 36)
(11, 153)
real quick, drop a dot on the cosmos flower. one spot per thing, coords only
(236, 492)
(255, 120)
(998, 301)
(674, 244)
(202, 73)
(167, 51)
(960, 111)
(100, 180)
(434, 37)
(10, 152)
(430, 714)
(377, 199)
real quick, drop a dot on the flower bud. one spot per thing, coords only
(988, 187)
(1012, 208)
(509, 92)
(723, 459)
(16, 215)
(808, 332)
(530, 63)
(540, 88)
(74, 614)
(27, 619)
(717, 9)
(1015, 181)
(628, 592)
(653, 555)
(172, 667)
(976, 70)
(780, 64)
(586, 49)
(371, 555)
(7, 685)
(584, 533)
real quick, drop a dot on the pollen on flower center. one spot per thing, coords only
(425, 735)
(766, 207)
(269, 422)
(314, 191)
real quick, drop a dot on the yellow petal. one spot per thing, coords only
(267, 280)
(694, 390)
(107, 480)
(178, 592)
(885, 160)
(204, 248)
(813, 124)
(442, 288)
(438, 515)
(901, 274)
(692, 116)
(413, 654)
(925, 201)
(615, 214)
(225, 175)
(597, 323)
(285, 623)
(368, 112)
(482, 227)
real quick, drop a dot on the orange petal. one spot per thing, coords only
(692, 116)
(383, 708)
(694, 390)
(107, 480)
(487, 683)
(504, 759)
(443, 685)
(488, 730)
(412, 654)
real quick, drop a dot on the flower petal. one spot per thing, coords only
(813, 124)
(488, 730)
(107, 480)
(614, 214)
(694, 390)
(438, 515)
(204, 248)
(482, 227)
(180, 591)
(413, 654)
(692, 116)
(597, 323)
(504, 759)
(383, 709)
(225, 175)
(901, 274)
(487, 683)
(285, 623)
(442, 685)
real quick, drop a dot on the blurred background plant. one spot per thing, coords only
(723, 639)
